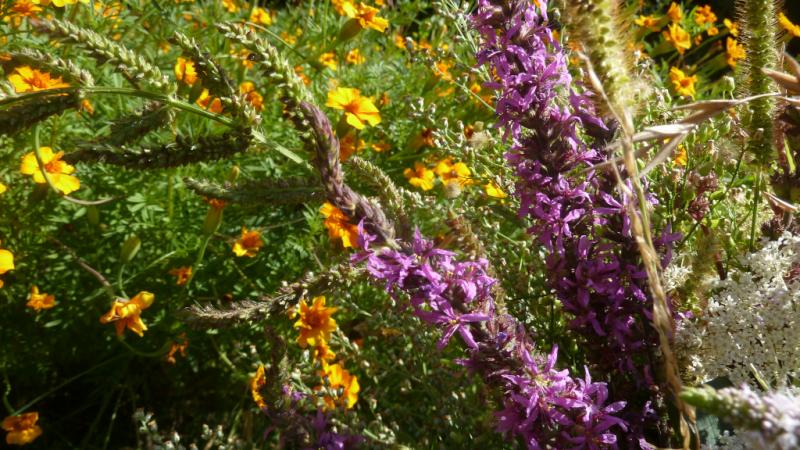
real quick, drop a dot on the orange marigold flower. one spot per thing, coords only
(675, 13)
(329, 60)
(704, 15)
(348, 146)
(650, 22)
(359, 111)
(176, 348)
(366, 15)
(26, 79)
(322, 352)
(58, 171)
(22, 429)
(354, 56)
(340, 378)
(734, 52)
(182, 274)
(449, 172)
(681, 158)
(258, 381)
(230, 6)
(787, 25)
(315, 322)
(21, 9)
(338, 225)
(248, 89)
(442, 70)
(60, 3)
(126, 314)
(683, 84)
(381, 147)
(678, 37)
(206, 101)
(260, 16)
(38, 302)
(732, 27)
(248, 244)
(494, 191)
(420, 176)
(185, 71)
(6, 261)
(301, 74)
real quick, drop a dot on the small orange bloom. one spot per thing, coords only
(256, 383)
(22, 429)
(126, 314)
(26, 79)
(38, 302)
(338, 225)
(248, 243)
(315, 322)
(183, 274)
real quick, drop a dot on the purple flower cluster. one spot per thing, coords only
(542, 406)
(592, 258)
(302, 430)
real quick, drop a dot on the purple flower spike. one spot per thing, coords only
(576, 214)
(542, 406)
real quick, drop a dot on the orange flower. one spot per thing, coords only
(420, 176)
(338, 377)
(338, 225)
(176, 347)
(185, 71)
(251, 95)
(359, 111)
(678, 37)
(25, 79)
(58, 171)
(256, 383)
(787, 25)
(209, 103)
(649, 22)
(301, 74)
(126, 314)
(355, 57)
(315, 322)
(348, 146)
(704, 15)
(20, 10)
(183, 274)
(366, 15)
(248, 243)
(38, 302)
(734, 52)
(260, 16)
(22, 429)
(683, 84)
(381, 147)
(329, 60)
(675, 13)
(453, 173)
(322, 352)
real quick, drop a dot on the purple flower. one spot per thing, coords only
(576, 215)
(542, 406)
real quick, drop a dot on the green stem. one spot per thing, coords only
(64, 383)
(198, 261)
(153, 354)
(756, 201)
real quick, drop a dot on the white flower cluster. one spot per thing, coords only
(751, 319)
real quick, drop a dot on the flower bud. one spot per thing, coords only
(349, 30)
(130, 248)
(213, 221)
(93, 215)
